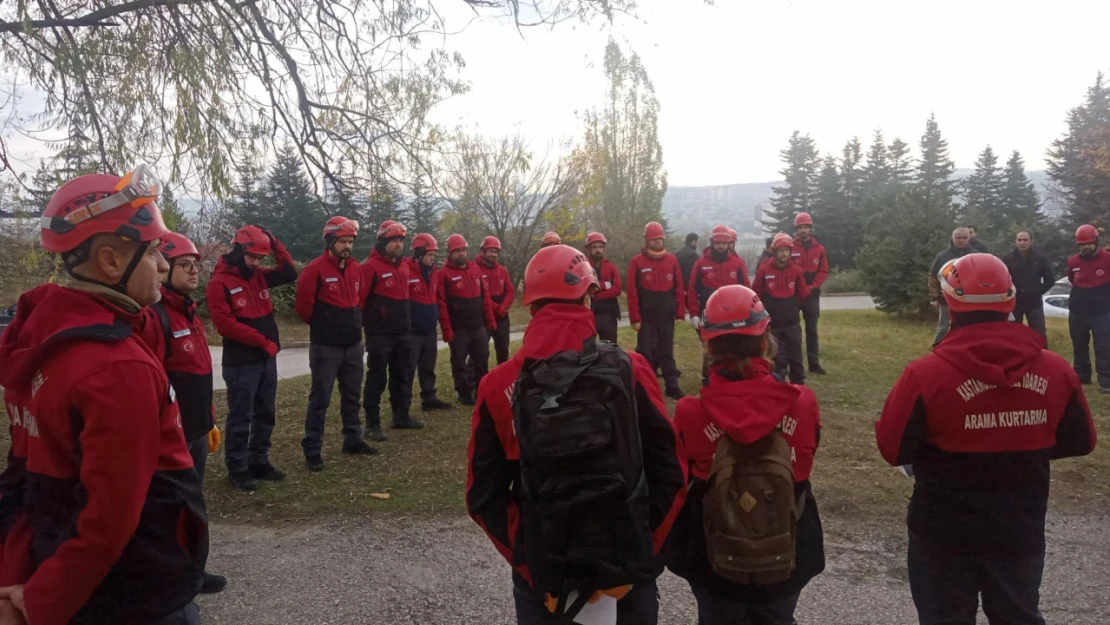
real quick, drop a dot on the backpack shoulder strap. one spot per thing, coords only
(167, 333)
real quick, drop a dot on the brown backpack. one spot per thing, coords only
(751, 514)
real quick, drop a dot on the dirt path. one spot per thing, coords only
(433, 572)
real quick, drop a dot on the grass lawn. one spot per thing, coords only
(425, 471)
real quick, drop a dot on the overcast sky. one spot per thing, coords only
(734, 80)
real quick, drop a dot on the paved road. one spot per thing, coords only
(293, 362)
(445, 572)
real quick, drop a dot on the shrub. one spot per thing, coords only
(843, 281)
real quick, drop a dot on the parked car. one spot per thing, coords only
(7, 316)
(1056, 305)
(1062, 287)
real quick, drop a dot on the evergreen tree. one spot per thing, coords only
(901, 163)
(934, 172)
(1079, 162)
(43, 185)
(829, 211)
(876, 173)
(293, 215)
(383, 203)
(845, 233)
(1020, 199)
(424, 209)
(245, 206)
(172, 214)
(796, 196)
(983, 194)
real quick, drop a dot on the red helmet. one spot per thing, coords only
(456, 242)
(782, 240)
(803, 219)
(653, 231)
(734, 309)
(596, 237)
(340, 227)
(391, 229)
(1086, 234)
(551, 238)
(731, 235)
(254, 240)
(176, 245)
(720, 235)
(490, 243)
(977, 282)
(103, 204)
(558, 272)
(426, 241)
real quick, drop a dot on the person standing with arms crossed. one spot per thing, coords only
(606, 308)
(239, 304)
(656, 299)
(330, 300)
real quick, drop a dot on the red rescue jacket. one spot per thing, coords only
(239, 306)
(813, 262)
(464, 298)
(387, 295)
(99, 468)
(494, 452)
(609, 283)
(174, 331)
(423, 306)
(707, 275)
(979, 419)
(746, 408)
(1090, 279)
(500, 287)
(330, 300)
(655, 290)
(781, 289)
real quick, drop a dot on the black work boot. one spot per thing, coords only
(818, 369)
(1085, 381)
(266, 473)
(407, 423)
(375, 434)
(243, 481)
(211, 584)
(675, 393)
(466, 399)
(314, 463)
(359, 449)
(434, 404)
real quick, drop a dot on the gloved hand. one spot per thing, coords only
(270, 235)
(636, 326)
(214, 439)
(695, 322)
(271, 348)
(448, 336)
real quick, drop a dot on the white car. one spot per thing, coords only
(1056, 306)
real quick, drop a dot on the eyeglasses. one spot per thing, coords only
(188, 265)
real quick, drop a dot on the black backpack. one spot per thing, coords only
(583, 492)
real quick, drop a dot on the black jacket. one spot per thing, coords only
(1033, 277)
(686, 256)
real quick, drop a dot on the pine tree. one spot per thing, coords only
(43, 185)
(172, 214)
(1079, 162)
(846, 231)
(294, 215)
(424, 208)
(901, 163)
(796, 196)
(383, 203)
(983, 194)
(1020, 199)
(934, 172)
(830, 210)
(876, 173)
(245, 206)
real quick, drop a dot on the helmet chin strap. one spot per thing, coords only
(79, 256)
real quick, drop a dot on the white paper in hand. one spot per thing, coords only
(601, 612)
(608, 285)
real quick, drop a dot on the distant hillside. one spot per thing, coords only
(698, 209)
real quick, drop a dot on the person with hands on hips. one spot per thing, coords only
(240, 307)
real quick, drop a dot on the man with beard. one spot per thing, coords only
(809, 255)
(656, 298)
(717, 267)
(782, 287)
(1089, 306)
(466, 317)
(239, 304)
(329, 300)
(424, 314)
(606, 308)
(501, 290)
(385, 319)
